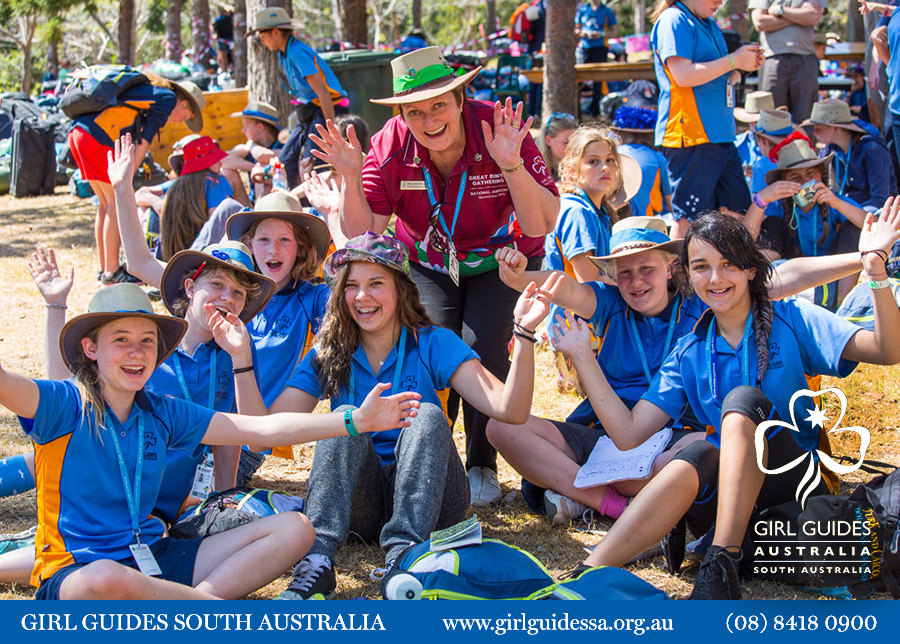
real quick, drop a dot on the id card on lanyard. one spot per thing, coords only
(202, 485)
(438, 218)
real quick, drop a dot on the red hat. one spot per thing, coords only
(200, 154)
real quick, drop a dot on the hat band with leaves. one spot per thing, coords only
(422, 78)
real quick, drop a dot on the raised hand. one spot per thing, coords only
(323, 194)
(511, 264)
(380, 413)
(779, 190)
(230, 334)
(571, 336)
(53, 285)
(121, 161)
(504, 140)
(532, 306)
(879, 235)
(345, 156)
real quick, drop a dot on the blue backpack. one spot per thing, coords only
(95, 88)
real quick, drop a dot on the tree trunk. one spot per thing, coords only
(353, 22)
(336, 18)
(173, 30)
(739, 18)
(263, 71)
(559, 64)
(240, 43)
(27, 26)
(200, 32)
(856, 27)
(416, 15)
(125, 55)
(490, 26)
(640, 16)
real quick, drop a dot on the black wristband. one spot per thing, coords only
(522, 328)
(242, 370)
(519, 334)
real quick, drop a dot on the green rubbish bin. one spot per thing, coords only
(364, 74)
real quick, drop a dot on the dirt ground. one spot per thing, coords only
(66, 223)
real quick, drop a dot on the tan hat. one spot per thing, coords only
(112, 303)
(754, 103)
(795, 153)
(424, 74)
(632, 177)
(774, 125)
(634, 235)
(194, 96)
(260, 111)
(272, 18)
(280, 205)
(832, 111)
(229, 254)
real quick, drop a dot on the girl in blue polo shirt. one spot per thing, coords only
(741, 365)
(405, 482)
(96, 535)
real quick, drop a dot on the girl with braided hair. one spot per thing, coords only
(741, 365)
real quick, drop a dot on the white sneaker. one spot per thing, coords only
(483, 487)
(561, 509)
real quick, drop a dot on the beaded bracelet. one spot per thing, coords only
(348, 422)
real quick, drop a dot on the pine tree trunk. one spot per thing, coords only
(240, 43)
(559, 64)
(640, 16)
(353, 22)
(416, 15)
(200, 32)
(490, 25)
(173, 30)
(125, 54)
(263, 71)
(27, 26)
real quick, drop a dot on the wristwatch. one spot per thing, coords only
(779, 10)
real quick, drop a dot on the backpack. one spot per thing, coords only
(493, 569)
(93, 89)
(834, 541)
(232, 508)
(519, 24)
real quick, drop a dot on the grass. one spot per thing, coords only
(66, 223)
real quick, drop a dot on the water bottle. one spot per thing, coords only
(279, 179)
(402, 586)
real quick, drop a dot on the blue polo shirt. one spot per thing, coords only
(806, 340)
(432, 357)
(893, 65)
(809, 229)
(858, 307)
(655, 186)
(216, 190)
(598, 19)
(581, 227)
(284, 331)
(82, 509)
(690, 115)
(298, 61)
(619, 356)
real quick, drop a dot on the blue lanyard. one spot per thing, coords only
(795, 225)
(133, 498)
(398, 369)
(713, 354)
(640, 345)
(846, 167)
(434, 202)
(183, 383)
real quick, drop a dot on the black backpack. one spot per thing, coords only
(93, 89)
(834, 541)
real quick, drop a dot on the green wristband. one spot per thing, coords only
(348, 422)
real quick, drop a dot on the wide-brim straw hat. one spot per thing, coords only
(835, 112)
(632, 177)
(272, 18)
(194, 96)
(232, 255)
(754, 103)
(259, 111)
(280, 205)
(113, 303)
(774, 125)
(794, 154)
(634, 235)
(424, 74)
(200, 154)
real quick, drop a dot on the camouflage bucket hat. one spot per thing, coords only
(369, 247)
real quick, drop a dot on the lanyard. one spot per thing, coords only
(713, 354)
(212, 380)
(132, 497)
(640, 345)
(440, 213)
(398, 368)
(795, 225)
(843, 181)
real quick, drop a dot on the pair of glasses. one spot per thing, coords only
(436, 237)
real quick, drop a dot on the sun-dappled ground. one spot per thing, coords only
(66, 223)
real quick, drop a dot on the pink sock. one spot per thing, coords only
(613, 504)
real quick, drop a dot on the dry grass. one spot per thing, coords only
(66, 223)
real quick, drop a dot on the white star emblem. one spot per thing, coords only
(817, 417)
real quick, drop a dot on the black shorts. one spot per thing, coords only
(581, 438)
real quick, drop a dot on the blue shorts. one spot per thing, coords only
(175, 557)
(705, 177)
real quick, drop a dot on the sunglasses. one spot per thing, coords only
(436, 237)
(558, 116)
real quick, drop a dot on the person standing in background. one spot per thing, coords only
(595, 22)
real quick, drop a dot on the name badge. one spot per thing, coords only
(729, 93)
(203, 480)
(412, 185)
(453, 264)
(144, 559)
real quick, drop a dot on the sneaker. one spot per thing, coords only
(673, 547)
(17, 540)
(561, 509)
(483, 487)
(534, 497)
(718, 576)
(122, 276)
(313, 579)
